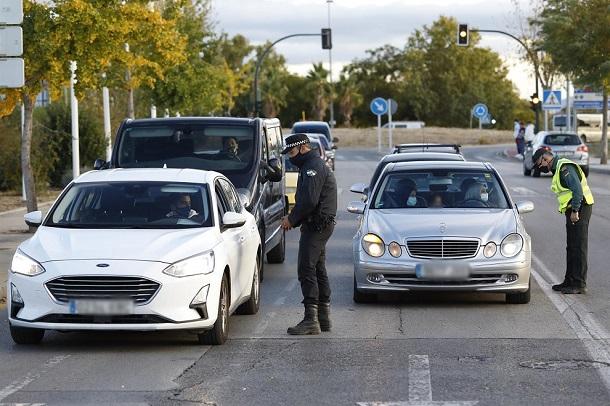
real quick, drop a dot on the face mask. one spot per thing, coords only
(544, 169)
(298, 160)
(183, 211)
(484, 197)
(411, 201)
(232, 150)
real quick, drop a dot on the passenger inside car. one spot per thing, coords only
(405, 195)
(437, 201)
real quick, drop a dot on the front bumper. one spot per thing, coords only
(168, 309)
(486, 275)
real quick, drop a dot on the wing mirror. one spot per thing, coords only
(233, 220)
(33, 218)
(274, 170)
(245, 196)
(359, 188)
(356, 207)
(525, 206)
(335, 139)
(99, 164)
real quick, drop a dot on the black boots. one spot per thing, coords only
(324, 316)
(560, 286)
(309, 325)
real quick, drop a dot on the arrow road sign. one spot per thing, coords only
(393, 106)
(479, 111)
(379, 106)
(551, 100)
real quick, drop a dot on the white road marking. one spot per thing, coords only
(260, 329)
(580, 319)
(420, 388)
(30, 377)
(523, 191)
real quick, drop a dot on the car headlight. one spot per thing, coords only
(373, 245)
(197, 265)
(511, 245)
(24, 265)
(490, 249)
(394, 249)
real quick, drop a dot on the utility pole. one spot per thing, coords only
(107, 129)
(74, 111)
(330, 70)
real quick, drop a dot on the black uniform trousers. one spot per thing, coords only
(312, 265)
(577, 247)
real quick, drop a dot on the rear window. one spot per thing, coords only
(309, 128)
(562, 139)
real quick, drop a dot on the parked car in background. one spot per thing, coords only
(292, 172)
(441, 226)
(139, 250)
(329, 148)
(245, 150)
(449, 148)
(405, 124)
(313, 127)
(567, 145)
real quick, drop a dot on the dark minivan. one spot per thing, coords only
(246, 150)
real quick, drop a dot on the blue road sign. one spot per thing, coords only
(379, 106)
(480, 111)
(551, 99)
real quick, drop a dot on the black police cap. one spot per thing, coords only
(538, 154)
(294, 140)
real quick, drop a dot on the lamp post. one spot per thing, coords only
(74, 116)
(330, 70)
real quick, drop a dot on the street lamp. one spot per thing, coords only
(330, 70)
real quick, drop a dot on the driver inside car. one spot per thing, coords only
(181, 207)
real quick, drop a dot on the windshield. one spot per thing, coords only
(132, 205)
(212, 147)
(440, 189)
(311, 128)
(562, 139)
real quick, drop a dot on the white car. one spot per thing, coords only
(137, 249)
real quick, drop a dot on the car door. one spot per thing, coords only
(274, 208)
(248, 243)
(232, 239)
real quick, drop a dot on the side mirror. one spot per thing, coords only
(334, 147)
(359, 188)
(233, 220)
(356, 207)
(33, 218)
(274, 171)
(99, 164)
(335, 139)
(525, 206)
(245, 196)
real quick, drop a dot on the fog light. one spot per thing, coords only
(201, 296)
(15, 295)
(395, 249)
(510, 277)
(376, 277)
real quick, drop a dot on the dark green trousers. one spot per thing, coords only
(577, 247)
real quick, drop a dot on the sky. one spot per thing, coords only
(359, 25)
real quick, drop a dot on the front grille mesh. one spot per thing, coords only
(443, 248)
(66, 288)
(412, 279)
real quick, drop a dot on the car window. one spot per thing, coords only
(440, 189)
(222, 148)
(132, 205)
(562, 139)
(230, 194)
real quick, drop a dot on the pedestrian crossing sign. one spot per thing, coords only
(551, 100)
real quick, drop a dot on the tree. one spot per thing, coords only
(349, 98)
(273, 76)
(576, 34)
(318, 86)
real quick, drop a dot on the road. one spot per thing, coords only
(424, 349)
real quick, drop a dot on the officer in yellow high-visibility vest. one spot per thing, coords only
(575, 201)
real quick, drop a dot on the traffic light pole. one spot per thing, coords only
(534, 60)
(260, 61)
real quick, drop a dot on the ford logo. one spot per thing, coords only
(102, 265)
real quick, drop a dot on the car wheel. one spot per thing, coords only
(526, 172)
(252, 305)
(585, 170)
(361, 297)
(27, 336)
(519, 297)
(277, 255)
(220, 332)
(535, 173)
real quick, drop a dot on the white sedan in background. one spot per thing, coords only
(137, 249)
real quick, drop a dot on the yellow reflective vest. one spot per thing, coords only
(564, 195)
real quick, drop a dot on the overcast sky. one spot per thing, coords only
(359, 25)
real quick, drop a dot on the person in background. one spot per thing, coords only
(437, 201)
(520, 140)
(529, 132)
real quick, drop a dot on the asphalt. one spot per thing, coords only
(417, 349)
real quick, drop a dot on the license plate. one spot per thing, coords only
(564, 153)
(442, 271)
(102, 307)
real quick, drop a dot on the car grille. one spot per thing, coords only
(85, 319)
(66, 288)
(443, 248)
(411, 279)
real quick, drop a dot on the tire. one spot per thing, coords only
(220, 332)
(526, 172)
(520, 297)
(26, 336)
(583, 137)
(535, 173)
(585, 170)
(277, 255)
(361, 297)
(253, 303)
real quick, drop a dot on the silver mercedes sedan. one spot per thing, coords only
(443, 226)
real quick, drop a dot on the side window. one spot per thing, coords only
(264, 141)
(229, 191)
(279, 142)
(272, 142)
(221, 201)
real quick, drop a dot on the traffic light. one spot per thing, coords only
(535, 102)
(462, 37)
(327, 41)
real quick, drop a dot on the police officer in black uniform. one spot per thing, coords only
(314, 211)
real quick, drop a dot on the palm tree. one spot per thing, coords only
(349, 98)
(318, 86)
